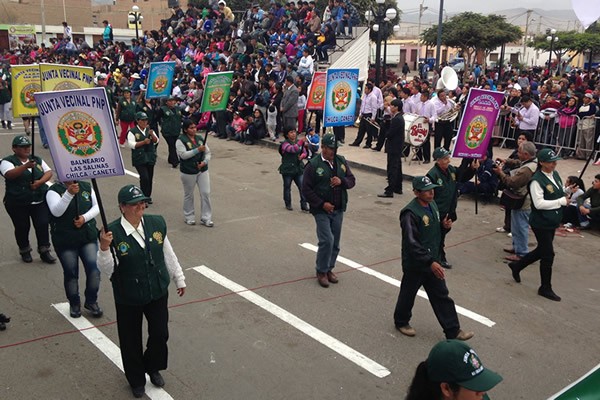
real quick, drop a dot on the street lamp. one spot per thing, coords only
(136, 17)
(379, 15)
(552, 39)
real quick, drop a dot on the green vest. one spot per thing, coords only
(430, 235)
(171, 121)
(18, 191)
(64, 233)
(445, 195)
(190, 166)
(547, 219)
(140, 279)
(150, 112)
(323, 174)
(145, 154)
(290, 163)
(127, 110)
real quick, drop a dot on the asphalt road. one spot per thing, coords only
(286, 337)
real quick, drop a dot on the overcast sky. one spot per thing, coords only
(486, 6)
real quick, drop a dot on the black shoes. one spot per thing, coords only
(354, 144)
(26, 257)
(94, 309)
(446, 265)
(515, 271)
(138, 392)
(289, 208)
(548, 293)
(156, 379)
(3, 321)
(3, 125)
(47, 257)
(75, 310)
(385, 194)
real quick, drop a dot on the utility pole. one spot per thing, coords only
(539, 29)
(421, 10)
(526, 33)
(43, 10)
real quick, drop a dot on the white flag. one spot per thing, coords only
(587, 11)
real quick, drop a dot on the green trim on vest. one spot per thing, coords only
(430, 234)
(446, 194)
(137, 280)
(18, 191)
(323, 174)
(290, 163)
(171, 121)
(63, 231)
(145, 154)
(547, 219)
(190, 166)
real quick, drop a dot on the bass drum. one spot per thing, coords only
(416, 130)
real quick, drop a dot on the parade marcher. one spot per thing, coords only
(518, 182)
(194, 155)
(394, 145)
(25, 179)
(422, 227)
(443, 127)
(547, 200)
(452, 371)
(292, 153)
(125, 115)
(368, 112)
(73, 209)
(142, 141)
(145, 262)
(444, 176)
(170, 122)
(6, 116)
(327, 178)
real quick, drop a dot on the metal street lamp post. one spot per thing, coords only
(552, 39)
(136, 17)
(380, 16)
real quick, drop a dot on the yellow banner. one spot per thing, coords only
(56, 77)
(25, 82)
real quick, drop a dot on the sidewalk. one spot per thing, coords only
(373, 161)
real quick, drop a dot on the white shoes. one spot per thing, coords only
(190, 222)
(208, 223)
(500, 230)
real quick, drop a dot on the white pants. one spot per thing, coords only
(202, 180)
(6, 112)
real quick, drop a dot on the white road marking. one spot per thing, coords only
(395, 282)
(106, 346)
(304, 327)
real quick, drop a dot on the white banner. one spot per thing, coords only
(81, 133)
(587, 11)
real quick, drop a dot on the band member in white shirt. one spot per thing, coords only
(443, 127)
(527, 116)
(426, 109)
(368, 111)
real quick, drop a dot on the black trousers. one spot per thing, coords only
(339, 132)
(394, 173)
(544, 250)
(146, 173)
(424, 152)
(437, 291)
(443, 131)
(172, 159)
(22, 215)
(364, 127)
(137, 362)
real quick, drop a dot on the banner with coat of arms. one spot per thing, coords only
(477, 123)
(160, 79)
(316, 92)
(340, 97)
(25, 82)
(55, 77)
(81, 133)
(216, 91)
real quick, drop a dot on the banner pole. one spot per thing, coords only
(32, 143)
(100, 206)
(476, 195)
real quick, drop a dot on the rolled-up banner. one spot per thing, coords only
(477, 123)
(56, 77)
(81, 133)
(25, 82)
(316, 92)
(585, 388)
(160, 79)
(216, 91)
(340, 97)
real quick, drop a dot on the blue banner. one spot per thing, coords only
(160, 79)
(340, 97)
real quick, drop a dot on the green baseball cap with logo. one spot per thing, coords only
(547, 155)
(453, 361)
(440, 153)
(422, 183)
(21, 141)
(141, 115)
(329, 141)
(131, 194)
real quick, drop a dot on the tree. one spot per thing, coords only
(572, 43)
(472, 32)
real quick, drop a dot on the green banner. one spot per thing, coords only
(587, 388)
(216, 91)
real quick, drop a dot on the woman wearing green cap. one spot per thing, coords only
(452, 371)
(142, 141)
(125, 114)
(26, 188)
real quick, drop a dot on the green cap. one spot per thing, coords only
(329, 141)
(453, 361)
(140, 115)
(126, 89)
(547, 155)
(440, 153)
(422, 183)
(21, 141)
(131, 194)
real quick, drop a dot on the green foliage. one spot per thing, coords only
(570, 41)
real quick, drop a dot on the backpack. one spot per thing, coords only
(110, 33)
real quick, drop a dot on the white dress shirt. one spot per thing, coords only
(531, 116)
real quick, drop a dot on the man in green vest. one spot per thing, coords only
(143, 141)
(73, 209)
(327, 178)
(170, 122)
(421, 262)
